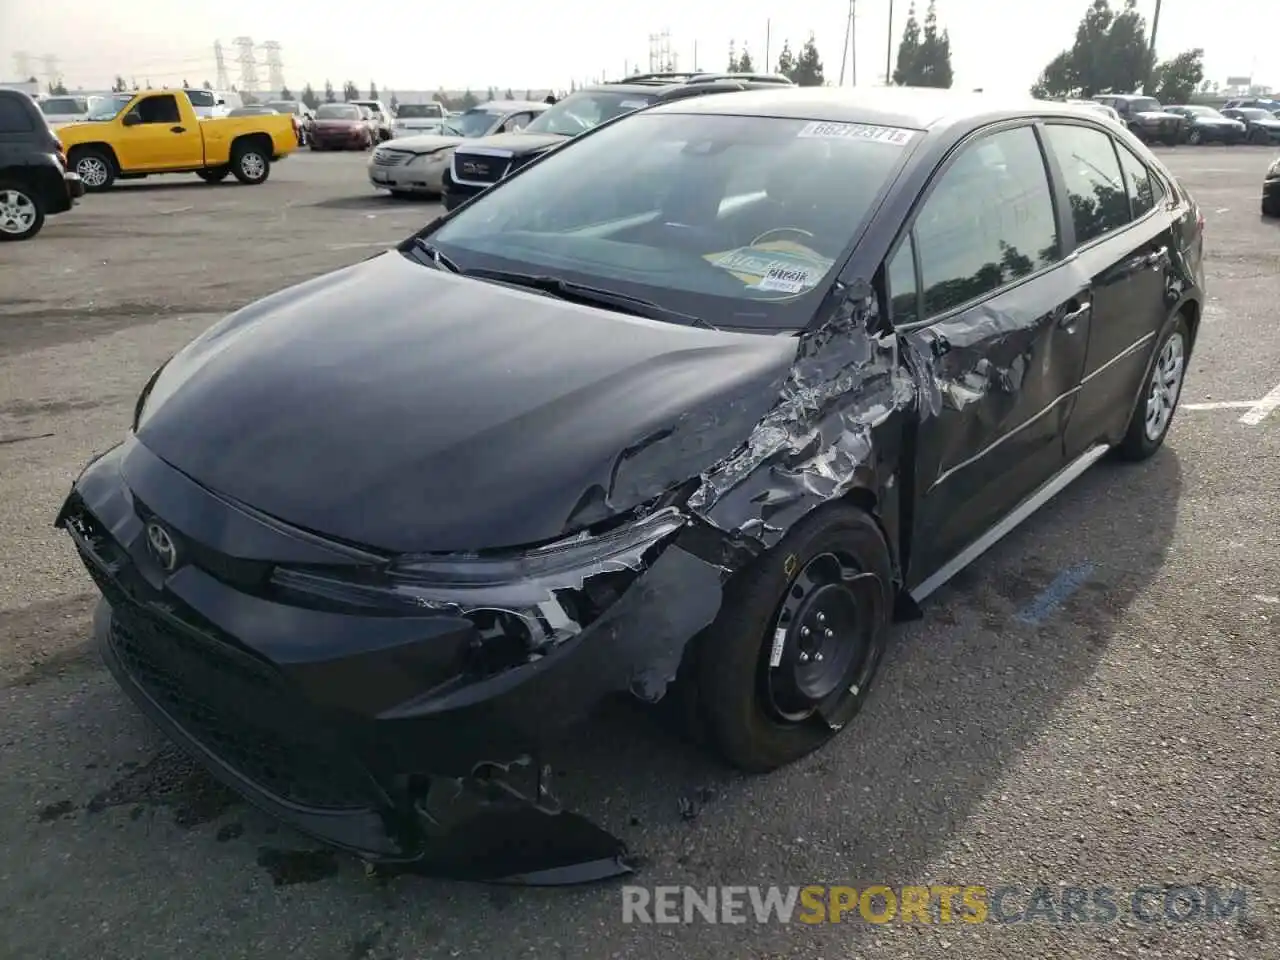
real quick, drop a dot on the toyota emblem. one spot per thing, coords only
(162, 546)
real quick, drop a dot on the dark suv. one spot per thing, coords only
(483, 162)
(34, 181)
(1145, 118)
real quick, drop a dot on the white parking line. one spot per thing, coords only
(1263, 407)
(1221, 405)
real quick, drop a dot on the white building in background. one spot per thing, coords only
(26, 86)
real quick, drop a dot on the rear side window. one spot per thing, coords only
(14, 117)
(988, 222)
(1144, 189)
(1091, 172)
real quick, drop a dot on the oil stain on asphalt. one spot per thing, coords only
(169, 779)
(288, 867)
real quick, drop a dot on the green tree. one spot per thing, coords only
(528, 94)
(787, 61)
(185, 85)
(745, 64)
(350, 91)
(1110, 55)
(207, 85)
(935, 53)
(57, 89)
(491, 94)
(1174, 81)
(469, 99)
(907, 68)
(119, 86)
(33, 79)
(286, 93)
(373, 90)
(733, 57)
(510, 95)
(809, 65)
(394, 103)
(309, 97)
(329, 96)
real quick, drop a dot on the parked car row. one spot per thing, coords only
(1239, 121)
(125, 136)
(694, 396)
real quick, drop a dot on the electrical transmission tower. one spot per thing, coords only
(661, 57)
(224, 81)
(22, 60)
(248, 65)
(275, 67)
(50, 70)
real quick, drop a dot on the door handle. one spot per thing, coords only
(1157, 259)
(1069, 318)
(177, 129)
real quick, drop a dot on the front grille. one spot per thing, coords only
(385, 157)
(236, 706)
(474, 168)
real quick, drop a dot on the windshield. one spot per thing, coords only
(338, 111)
(62, 105)
(370, 105)
(1145, 105)
(579, 112)
(1254, 113)
(415, 111)
(283, 106)
(475, 123)
(201, 98)
(109, 107)
(738, 220)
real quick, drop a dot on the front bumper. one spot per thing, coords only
(362, 730)
(424, 174)
(75, 186)
(340, 140)
(1271, 192)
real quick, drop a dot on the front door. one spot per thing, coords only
(1001, 323)
(159, 139)
(1125, 244)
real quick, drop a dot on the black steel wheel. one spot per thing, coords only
(801, 633)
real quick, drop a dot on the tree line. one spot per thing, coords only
(1112, 53)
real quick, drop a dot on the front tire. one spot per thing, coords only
(250, 164)
(1160, 394)
(800, 635)
(96, 168)
(1271, 206)
(21, 211)
(1195, 137)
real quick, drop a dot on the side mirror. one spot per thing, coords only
(131, 120)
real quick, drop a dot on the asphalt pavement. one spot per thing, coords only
(1092, 704)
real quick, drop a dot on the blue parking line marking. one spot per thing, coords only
(1055, 594)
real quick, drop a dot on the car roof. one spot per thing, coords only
(917, 108)
(650, 82)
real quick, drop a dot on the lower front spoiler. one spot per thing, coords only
(484, 828)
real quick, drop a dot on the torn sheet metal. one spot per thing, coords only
(822, 437)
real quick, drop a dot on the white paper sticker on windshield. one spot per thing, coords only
(784, 279)
(634, 104)
(774, 267)
(822, 130)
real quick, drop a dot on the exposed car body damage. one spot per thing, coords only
(375, 539)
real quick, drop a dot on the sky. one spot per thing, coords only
(998, 45)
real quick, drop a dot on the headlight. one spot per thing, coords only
(543, 593)
(1274, 169)
(434, 157)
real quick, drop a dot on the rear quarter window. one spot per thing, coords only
(15, 117)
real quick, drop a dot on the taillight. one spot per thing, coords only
(1199, 221)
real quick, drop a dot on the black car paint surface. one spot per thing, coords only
(31, 156)
(297, 452)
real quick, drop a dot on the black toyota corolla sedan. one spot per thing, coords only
(693, 407)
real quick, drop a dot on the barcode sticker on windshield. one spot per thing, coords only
(787, 279)
(894, 136)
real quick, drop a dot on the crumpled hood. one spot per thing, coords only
(517, 143)
(423, 143)
(396, 406)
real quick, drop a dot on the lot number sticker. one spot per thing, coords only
(895, 136)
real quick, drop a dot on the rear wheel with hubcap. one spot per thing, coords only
(250, 164)
(21, 211)
(97, 170)
(1194, 136)
(1154, 412)
(800, 636)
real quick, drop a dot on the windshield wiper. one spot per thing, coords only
(436, 257)
(591, 296)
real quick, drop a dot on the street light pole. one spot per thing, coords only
(1155, 24)
(888, 50)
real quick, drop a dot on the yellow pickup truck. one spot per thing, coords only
(130, 136)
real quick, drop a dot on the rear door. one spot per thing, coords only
(1124, 242)
(1002, 322)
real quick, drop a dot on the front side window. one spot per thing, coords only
(1095, 188)
(162, 109)
(202, 98)
(580, 112)
(988, 222)
(650, 207)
